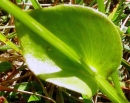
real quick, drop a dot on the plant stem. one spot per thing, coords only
(6, 47)
(36, 4)
(108, 6)
(39, 29)
(116, 82)
(44, 33)
(111, 16)
(106, 88)
(8, 42)
(12, 35)
(117, 11)
(126, 64)
(101, 6)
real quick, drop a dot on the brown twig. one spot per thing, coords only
(3, 88)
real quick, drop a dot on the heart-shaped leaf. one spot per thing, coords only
(89, 33)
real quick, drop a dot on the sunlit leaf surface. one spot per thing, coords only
(94, 38)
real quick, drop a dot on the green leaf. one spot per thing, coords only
(89, 33)
(34, 98)
(128, 30)
(25, 86)
(21, 86)
(4, 66)
(36, 4)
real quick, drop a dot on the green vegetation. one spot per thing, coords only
(72, 46)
